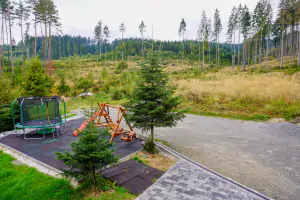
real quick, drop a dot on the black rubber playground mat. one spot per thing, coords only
(43, 150)
(134, 176)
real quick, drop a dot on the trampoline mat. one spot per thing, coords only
(40, 122)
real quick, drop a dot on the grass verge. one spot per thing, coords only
(23, 182)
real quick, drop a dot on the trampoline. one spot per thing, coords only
(46, 114)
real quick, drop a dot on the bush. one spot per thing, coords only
(122, 65)
(63, 88)
(36, 82)
(150, 147)
(6, 120)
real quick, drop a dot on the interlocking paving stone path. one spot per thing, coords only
(187, 181)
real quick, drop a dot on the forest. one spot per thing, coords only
(230, 79)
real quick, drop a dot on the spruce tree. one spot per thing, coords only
(93, 151)
(142, 28)
(153, 103)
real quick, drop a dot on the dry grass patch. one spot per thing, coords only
(157, 161)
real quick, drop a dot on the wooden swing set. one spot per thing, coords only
(114, 126)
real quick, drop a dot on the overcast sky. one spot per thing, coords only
(79, 17)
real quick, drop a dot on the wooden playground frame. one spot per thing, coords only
(114, 126)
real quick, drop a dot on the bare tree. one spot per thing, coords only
(122, 29)
(181, 32)
(142, 28)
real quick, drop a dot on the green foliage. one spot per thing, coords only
(152, 103)
(93, 151)
(122, 65)
(63, 88)
(36, 82)
(150, 147)
(84, 84)
(6, 121)
(136, 158)
(14, 177)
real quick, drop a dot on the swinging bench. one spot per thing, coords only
(103, 112)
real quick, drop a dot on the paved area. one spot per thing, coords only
(186, 181)
(134, 176)
(262, 156)
(43, 150)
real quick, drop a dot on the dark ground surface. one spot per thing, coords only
(43, 150)
(134, 176)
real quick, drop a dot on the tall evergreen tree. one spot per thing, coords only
(22, 14)
(203, 35)
(106, 33)
(245, 23)
(217, 31)
(153, 103)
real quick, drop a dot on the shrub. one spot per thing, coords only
(122, 65)
(150, 147)
(63, 88)
(36, 82)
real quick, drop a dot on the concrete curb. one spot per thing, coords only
(176, 154)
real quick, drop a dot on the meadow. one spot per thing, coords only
(253, 94)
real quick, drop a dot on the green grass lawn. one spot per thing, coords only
(23, 182)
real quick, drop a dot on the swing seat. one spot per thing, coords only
(128, 137)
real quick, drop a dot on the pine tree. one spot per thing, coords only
(203, 35)
(106, 33)
(245, 23)
(142, 28)
(98, 35)
(93, 151)
(239, 24)
(181, 32)
(152, 103)
(217, 31)
(122, 29)
(22, 14)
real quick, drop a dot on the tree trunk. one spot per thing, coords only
(260, 47)
(7, 39)
(256, 49)
(143, 45)
(100, 49)
(22, 45)
(208, 54)
(49, 44)
(218, 51)
(35, 37)
(182, 50)
(94, 177)
(233, 64)
(122, 48)
(298, 63)
(267, 50)
(244, 54)
(199, 45)
(203, 56)
(292, 43)
(282, 33)
(11, 53)
(152, 134)
(2, 44)
(239, 48)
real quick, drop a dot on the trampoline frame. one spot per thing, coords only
(61, 123)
